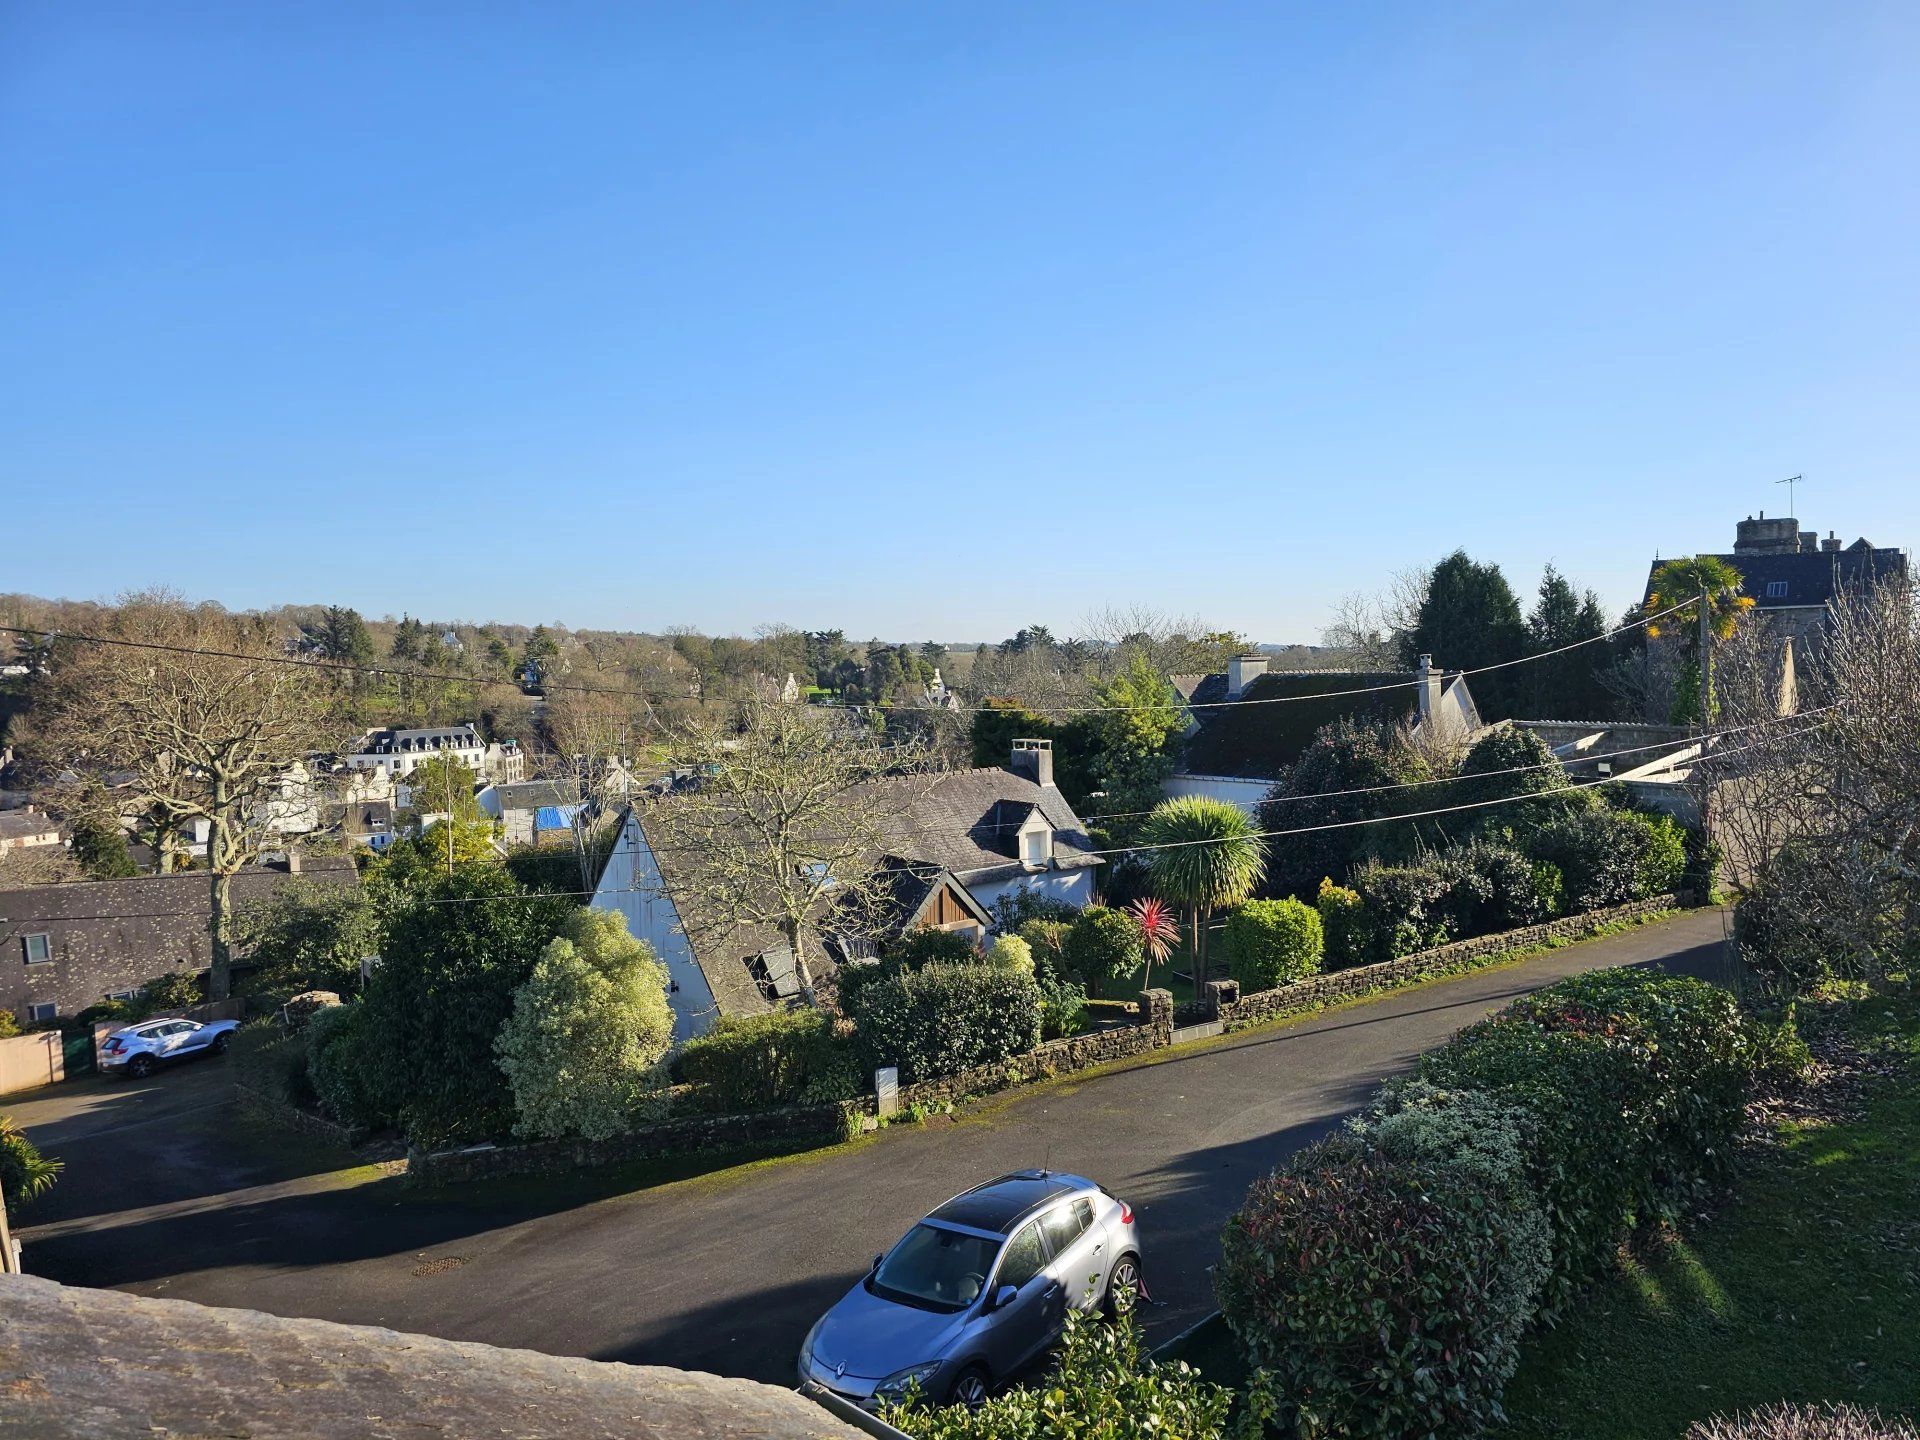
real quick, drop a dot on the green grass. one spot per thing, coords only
(1805, 1288)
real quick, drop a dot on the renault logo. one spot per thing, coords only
(840, 1371)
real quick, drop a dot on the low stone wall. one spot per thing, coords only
(1235, 1010)
(688, 1135)
(269, 1107)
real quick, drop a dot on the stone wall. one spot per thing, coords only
(816, 1124)
(307, 1122)
(1235, 1010)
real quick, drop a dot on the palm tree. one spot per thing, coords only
(1206, 854)
(1159, 932)
(1683, 582)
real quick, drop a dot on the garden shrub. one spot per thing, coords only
(750, 1062)
(1494, 888)
(1342, 925)
(1103, 945)
(1780, 1058)
(1586, 1093)
(912, 949)
(1063, 1007)
(268, 1059)
(581, 1047)
(1660, 858)
(1695, 1055)
(1047, 939)
(337, 1066)
(10, 1023)
(945, 1018)
(1269, 943)
(171, 994)
(1827, 1420)
(1101, 1387)
(1402, 910)
(1010, 952)
(25, 1174)
(1017, 908)
(1363, 1284)
(1610, 857)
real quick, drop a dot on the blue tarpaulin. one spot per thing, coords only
(555, 817)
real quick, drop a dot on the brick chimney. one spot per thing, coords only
(1241, 670)
(1033, 759)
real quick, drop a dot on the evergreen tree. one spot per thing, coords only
(1565, 687)
(1471, 619)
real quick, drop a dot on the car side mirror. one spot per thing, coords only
(876, 1262)
(1005, 1296)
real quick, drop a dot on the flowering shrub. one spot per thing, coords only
(1784, 1421)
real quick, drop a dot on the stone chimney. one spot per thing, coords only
(1241, 670)
(1831, 545)
(1779, 536)
(1033, 759)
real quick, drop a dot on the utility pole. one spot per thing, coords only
(9, 1262)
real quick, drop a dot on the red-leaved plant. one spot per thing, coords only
(1159, 932)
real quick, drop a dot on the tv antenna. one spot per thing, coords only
(1790, 482)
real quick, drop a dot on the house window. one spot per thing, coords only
(121, 994)
(46, 1010)
(39, 948)
(1776, 590)
(1036, 848)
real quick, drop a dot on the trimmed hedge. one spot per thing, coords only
(1103, 945)
(1359, 1282)
(1385, 1276)
(1343, 923)
(337, 1066)
(1269, 943)
(780, 1058)
(945, 1018)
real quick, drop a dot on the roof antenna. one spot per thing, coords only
(1790, 482)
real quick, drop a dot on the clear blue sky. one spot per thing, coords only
(931, 320)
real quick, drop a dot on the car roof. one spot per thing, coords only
(1000, 1205)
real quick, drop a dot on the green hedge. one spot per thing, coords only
(337, 1066)
(1384, 1277)
(945, 1018)
(1269, 943)
(782, 1058)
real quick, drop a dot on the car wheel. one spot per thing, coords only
(969, 1388)
(221, 1041)
(140, 1067)
(1123, 1287)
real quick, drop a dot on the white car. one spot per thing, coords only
(140, 1049)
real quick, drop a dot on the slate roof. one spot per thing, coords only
(139, 897)
(1201, 690)
(534, 794)
(1808, 578)
(1258, 742)
(962, 822)
(26, 824)
(383, 742)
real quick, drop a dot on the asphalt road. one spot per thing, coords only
(167, 1193)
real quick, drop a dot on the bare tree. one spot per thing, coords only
(1367, 628)
(201, 725)
(787, 825)
(1816, 795)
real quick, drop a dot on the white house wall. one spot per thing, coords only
(1074, 887)
(1234, 789)
(631, 885)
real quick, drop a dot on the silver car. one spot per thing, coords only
(141, 1049)
(976, 1291)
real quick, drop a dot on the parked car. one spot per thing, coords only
(141, 1049)
(977, 1291)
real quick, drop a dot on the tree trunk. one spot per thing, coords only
(802, 971)
(220, 910)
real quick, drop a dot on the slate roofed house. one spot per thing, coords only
(65, 947)
(27, 829)
(534, 812)
(1791, 574)
(1251, 724)
(959, 842)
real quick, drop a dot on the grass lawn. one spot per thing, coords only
(1806, 1287)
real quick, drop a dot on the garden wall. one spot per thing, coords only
(30, 1061)
(307, 1122)
(1234, 1010)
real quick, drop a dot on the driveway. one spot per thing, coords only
(725, 1271)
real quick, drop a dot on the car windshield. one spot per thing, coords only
(936, 1268)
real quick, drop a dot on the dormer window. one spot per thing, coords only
(1036, 843)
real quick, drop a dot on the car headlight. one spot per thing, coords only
(895, 1386)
